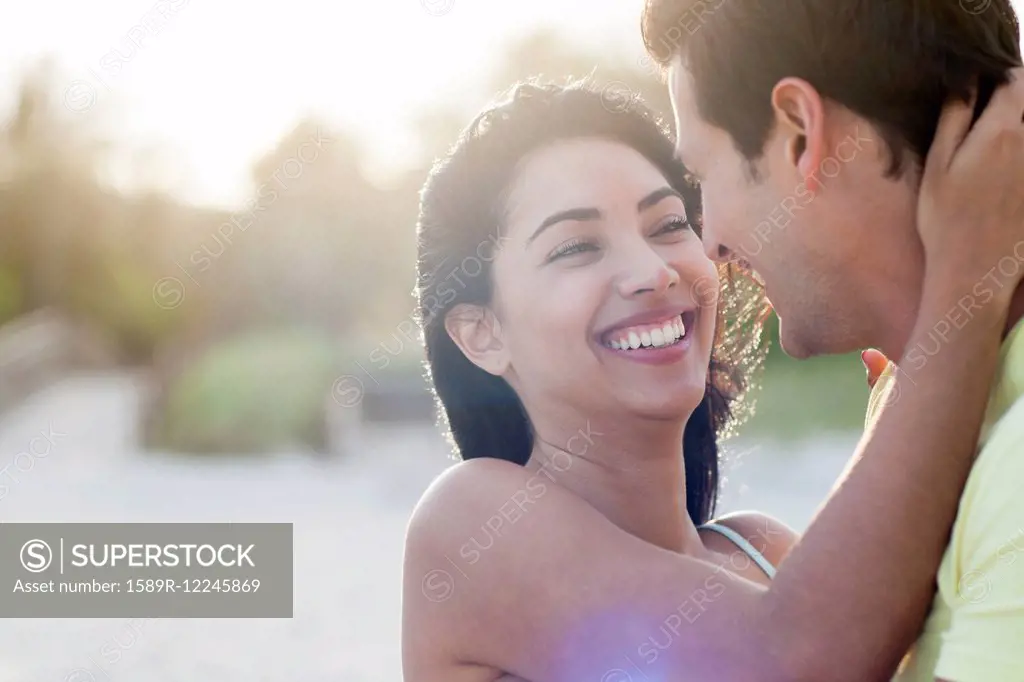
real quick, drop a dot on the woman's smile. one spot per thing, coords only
(651, 338)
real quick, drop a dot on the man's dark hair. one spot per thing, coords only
(894, 62)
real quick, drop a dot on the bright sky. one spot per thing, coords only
(218, 81)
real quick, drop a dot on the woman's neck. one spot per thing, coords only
(634, 476)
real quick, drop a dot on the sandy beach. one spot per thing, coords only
(349, 517)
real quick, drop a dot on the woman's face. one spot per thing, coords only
(598, 287)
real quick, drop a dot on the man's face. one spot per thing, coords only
(832, 239)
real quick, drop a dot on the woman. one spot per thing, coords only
(587, 356)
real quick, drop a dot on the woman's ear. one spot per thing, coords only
(477, 333)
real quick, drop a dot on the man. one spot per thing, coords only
(807, 124)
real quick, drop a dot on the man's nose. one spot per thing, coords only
(716, 251)
(713, 248)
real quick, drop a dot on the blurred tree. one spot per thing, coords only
(67, 241)
(48, 159)
(310, 241)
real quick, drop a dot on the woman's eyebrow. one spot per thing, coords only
(584, 214)
(656, 196)
(579, 214)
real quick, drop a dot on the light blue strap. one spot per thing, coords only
(743, 544)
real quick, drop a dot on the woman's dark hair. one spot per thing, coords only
(461, 222)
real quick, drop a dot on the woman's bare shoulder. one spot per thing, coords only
(461, 554)
(770, 536)
(468, 487)
(482, 498)
(436, 612)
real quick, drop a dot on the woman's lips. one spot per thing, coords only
(644, 343)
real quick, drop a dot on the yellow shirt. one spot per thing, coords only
(975, 631)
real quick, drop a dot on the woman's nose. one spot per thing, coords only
(650, 274)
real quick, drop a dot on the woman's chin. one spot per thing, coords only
(657, 403)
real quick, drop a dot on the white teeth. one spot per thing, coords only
(666, 335)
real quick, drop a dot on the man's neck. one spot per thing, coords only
(893, 344)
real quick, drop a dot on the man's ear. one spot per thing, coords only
(800, 117)
(477, 333)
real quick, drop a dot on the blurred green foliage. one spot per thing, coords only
(118, 299)
(253, 393)
(802, 398)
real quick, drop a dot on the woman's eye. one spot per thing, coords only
(675, 225)
(571, 247)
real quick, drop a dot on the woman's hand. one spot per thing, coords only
(875, 363)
